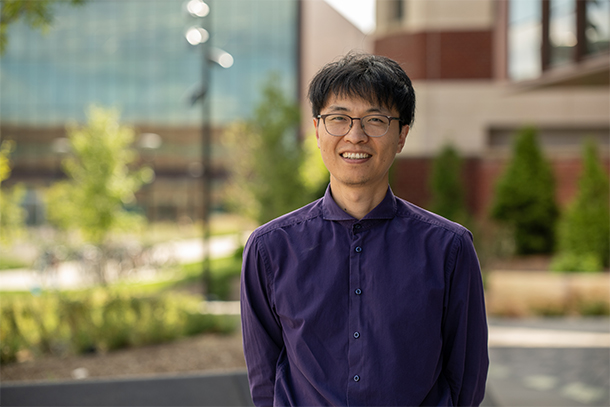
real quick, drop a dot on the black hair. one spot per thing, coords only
(376, 79)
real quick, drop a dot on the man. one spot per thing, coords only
(361, 298)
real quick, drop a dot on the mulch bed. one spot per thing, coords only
(204, 353)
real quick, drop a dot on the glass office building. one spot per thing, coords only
(133, 55)
(544, 35)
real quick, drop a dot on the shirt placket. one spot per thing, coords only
(356, 376)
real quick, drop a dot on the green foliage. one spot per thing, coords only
(584, 228)
(225, 273)
(572, 262)
(267, 159)
(313, 172)
(11, 339)
(8, 261)
(35, 13)
(99, 320)
(447, 186)
(12, 215)
(100, 181)
(525, 197)
(6, 148)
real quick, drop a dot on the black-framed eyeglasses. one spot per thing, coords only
(373, 125)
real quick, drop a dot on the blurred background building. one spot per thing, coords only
(482, 69)
(133, 55)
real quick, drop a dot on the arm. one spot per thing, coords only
(465, 326)
(262, 334)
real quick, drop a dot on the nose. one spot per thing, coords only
(356, 134)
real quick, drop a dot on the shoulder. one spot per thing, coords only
(286, 222)
(408, 212)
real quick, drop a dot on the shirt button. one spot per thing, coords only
(356, 378)
(356, 335)
(358, 291)
(357, 226)
(358, 249)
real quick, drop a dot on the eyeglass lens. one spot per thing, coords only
(373, 125)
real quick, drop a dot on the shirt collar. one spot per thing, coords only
(385, 210)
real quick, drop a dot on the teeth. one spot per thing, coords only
(355, 156)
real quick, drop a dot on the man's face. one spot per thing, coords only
(357, 160)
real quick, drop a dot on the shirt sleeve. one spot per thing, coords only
(465, 350)
(262, 334)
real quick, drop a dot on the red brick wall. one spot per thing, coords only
(410, 180)
(441, 55)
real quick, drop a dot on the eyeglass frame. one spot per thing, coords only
(351, 124)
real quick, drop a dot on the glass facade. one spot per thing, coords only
(562, 31)
(524, 39)
(133, 55)
(597, 26)
(543, 35)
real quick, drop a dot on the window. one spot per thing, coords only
(524, 39)
(562, 31)
(545, 34)
(597, 26)
(395, 11)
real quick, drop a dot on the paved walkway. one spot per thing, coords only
(230, 389)
(68, 275)
(549, 362)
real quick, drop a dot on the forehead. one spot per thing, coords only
(347, 104)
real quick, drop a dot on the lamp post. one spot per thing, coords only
(150, 143)
(61, 147)
(195, 36)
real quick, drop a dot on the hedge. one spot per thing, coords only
(99, 320)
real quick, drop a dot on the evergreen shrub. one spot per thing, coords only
(448, 196)
(524, 197)
(584, 228)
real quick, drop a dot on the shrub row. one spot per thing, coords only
(524, 203)
(99, 320)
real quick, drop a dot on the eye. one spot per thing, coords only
(377, 120)
(337, 118)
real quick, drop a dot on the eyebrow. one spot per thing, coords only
(338, 108)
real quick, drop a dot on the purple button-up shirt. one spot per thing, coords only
(386, 310)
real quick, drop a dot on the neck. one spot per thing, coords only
(358, 202)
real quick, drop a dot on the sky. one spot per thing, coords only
(360, 12)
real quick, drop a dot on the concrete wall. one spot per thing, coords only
(325, 36)
(436, 15)
(464, 113)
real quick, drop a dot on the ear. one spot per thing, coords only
(402, 138)
(315, 124)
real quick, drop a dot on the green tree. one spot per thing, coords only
(267, 173)
(100, 183)
(12, 215)
(37, 14)
(447, 186)
(525, 196)
(313, 172)
(584, 228)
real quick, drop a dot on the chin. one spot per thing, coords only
(355, 182)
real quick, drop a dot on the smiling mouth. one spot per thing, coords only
(355, 156)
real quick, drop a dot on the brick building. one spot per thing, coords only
(482, 69)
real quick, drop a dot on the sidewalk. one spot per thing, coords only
(230, 389)
(68, 275)
(549, 362)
